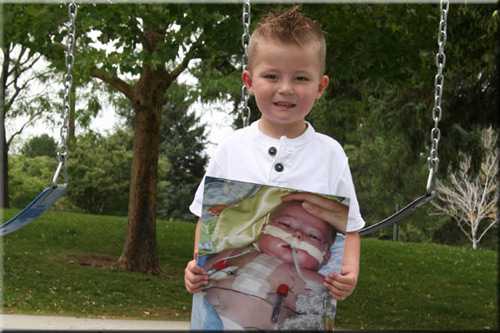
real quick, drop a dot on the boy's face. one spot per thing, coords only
(286, 80)
(294, 221)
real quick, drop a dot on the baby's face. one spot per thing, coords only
(293, 220)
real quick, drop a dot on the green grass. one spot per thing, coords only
(422, 286)
(401, 285)
(42, 274)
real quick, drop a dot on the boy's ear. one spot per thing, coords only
(323, 83)
(247, 79)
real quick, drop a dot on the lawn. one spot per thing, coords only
(63, 264)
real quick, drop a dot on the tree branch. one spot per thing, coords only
(17, 90)
(19, 131)
(486, 230)
(113, 81)
(18, 60)
(185, 62)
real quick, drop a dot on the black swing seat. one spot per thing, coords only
(37, 207)
(399, 215)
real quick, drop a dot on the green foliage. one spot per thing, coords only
(402, 286)
(30, 24)
(42, 145)
(28, 177)
(381, 61)
(99, 170)
(131, 28)
(182, 141)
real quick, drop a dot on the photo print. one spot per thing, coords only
(266, 257)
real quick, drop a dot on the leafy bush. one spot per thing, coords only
(99, 169)
(28, 176)
(42, 145)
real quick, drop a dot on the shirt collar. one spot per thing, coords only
(292, 143)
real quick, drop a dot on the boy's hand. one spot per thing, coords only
(327, 210)
(195, 277)
(341, 285)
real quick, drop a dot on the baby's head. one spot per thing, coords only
(288, 28)
(291, 226)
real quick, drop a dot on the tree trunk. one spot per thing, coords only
(4, 164)
(139, 253)
(4, 148)
(474, 236)
(147, 97)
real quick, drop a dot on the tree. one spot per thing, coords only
(182, 140)
(381, 61)
(21, 51)
(471, 199)
(99, 170)
(42, 145)
(153, 45)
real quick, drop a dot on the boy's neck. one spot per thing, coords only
(276, 131)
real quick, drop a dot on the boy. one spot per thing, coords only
(244, 283)
(285, 74)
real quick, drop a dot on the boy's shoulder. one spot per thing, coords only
(327, 140)
(327, 146)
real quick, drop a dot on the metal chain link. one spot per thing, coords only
(433, 159)
(68, 82)
(245, 40)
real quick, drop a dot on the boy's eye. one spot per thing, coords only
(302, 78)
(270, 76)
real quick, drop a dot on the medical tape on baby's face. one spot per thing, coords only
(294, 242)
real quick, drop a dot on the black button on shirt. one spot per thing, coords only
(278, 167)
(272, 151)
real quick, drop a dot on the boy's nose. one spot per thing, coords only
(285, 88)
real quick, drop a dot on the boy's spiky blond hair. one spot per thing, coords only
(288, 27)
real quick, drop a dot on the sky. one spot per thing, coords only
(215, 116)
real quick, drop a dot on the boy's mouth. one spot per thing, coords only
(286, 105)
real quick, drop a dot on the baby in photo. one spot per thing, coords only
(261, 285)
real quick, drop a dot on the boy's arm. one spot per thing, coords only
(342, 285)
(195, 277)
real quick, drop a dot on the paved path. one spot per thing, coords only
(25, 322)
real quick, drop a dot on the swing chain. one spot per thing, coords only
(245, 40)
(68, 82)
(433, 159)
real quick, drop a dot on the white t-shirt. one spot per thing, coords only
(311, 162)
